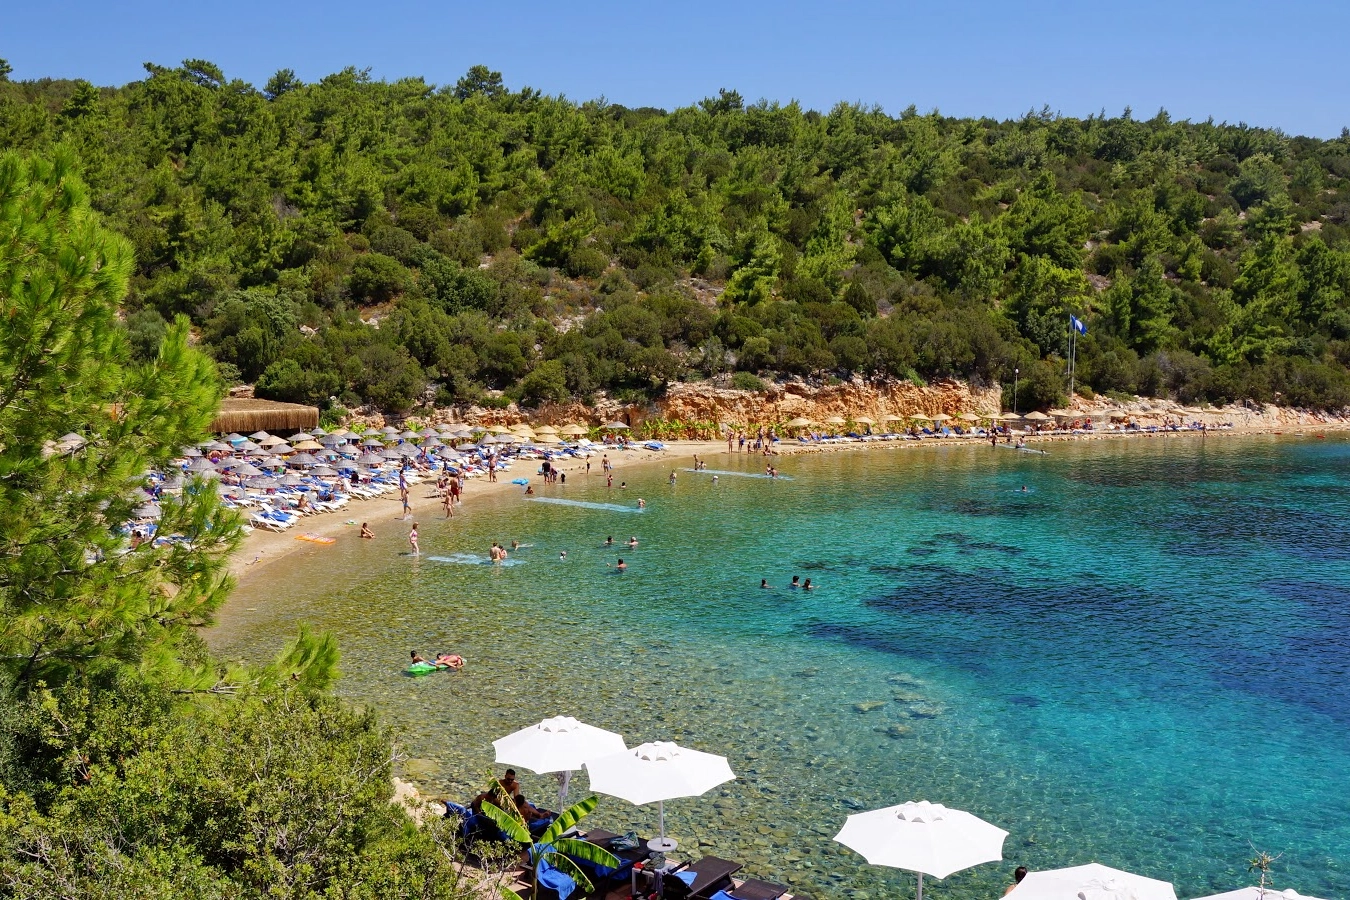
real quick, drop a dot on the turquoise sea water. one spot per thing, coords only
(1142, 660)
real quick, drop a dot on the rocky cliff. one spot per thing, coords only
(708, 404)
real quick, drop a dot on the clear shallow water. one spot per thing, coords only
(1144, 659)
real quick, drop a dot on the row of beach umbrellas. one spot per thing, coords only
(921, 837)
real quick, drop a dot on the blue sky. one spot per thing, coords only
(1274, 64)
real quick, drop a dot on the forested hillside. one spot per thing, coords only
(384, 242)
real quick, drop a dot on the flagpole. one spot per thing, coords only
(1070, 366)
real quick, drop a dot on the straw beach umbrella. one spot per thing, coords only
(572, 430)
(560, 744)
(925, 838)
(657, 772)
(1091, 882)
(798, 422)
(614, 426)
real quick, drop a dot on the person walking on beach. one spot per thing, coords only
(605, 464)
(412, 540)
(407, 508)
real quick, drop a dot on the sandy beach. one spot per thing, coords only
(262, 549)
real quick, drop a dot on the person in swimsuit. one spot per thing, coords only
(796, 581)
(632, 542)
(764, 583)
(449, 661)
(366, 532)
(642, 504)
(412, 539)
(621, 566)
(806, 586)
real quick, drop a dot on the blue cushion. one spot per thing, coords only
(687, 877)
(551, 877)
(722, 895)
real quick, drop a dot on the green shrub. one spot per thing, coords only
(744, 381)
(377, 278)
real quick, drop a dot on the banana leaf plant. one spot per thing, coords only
(552, 846)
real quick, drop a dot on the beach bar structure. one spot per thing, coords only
(248, 415)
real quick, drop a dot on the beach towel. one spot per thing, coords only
(315, 539)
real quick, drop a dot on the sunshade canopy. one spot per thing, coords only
(660, 770)
(923, 837)
(559, 744)
(1255, 893)
(1091, 882)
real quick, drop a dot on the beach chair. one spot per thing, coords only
(700, 880)
(752, 889)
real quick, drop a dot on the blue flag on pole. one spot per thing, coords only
(1077, 324)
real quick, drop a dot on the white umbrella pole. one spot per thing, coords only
(919, 895)
(564, 781)
(661, 814)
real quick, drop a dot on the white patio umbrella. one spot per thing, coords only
(925, 838)
(1093, 881)
(657, 772)
(1256, 893)
(560, 744)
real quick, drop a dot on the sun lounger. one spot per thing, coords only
(711, 874)
(601, 875)
(753, 889)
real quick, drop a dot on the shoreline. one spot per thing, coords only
(261, 549)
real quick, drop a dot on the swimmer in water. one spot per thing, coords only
(714, 479)
(796, 581)
(623, 485)
(562, 555)
(764, 583)
(621, 566)
(366, 532)
(515, 545)
(1024, 489)
(642, 504)
(672, 476)
(609, 541)
(806, 586)
(412, 539)
(633, 541)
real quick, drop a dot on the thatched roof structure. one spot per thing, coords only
(249, 415)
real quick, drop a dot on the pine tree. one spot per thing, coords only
(73, 595)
